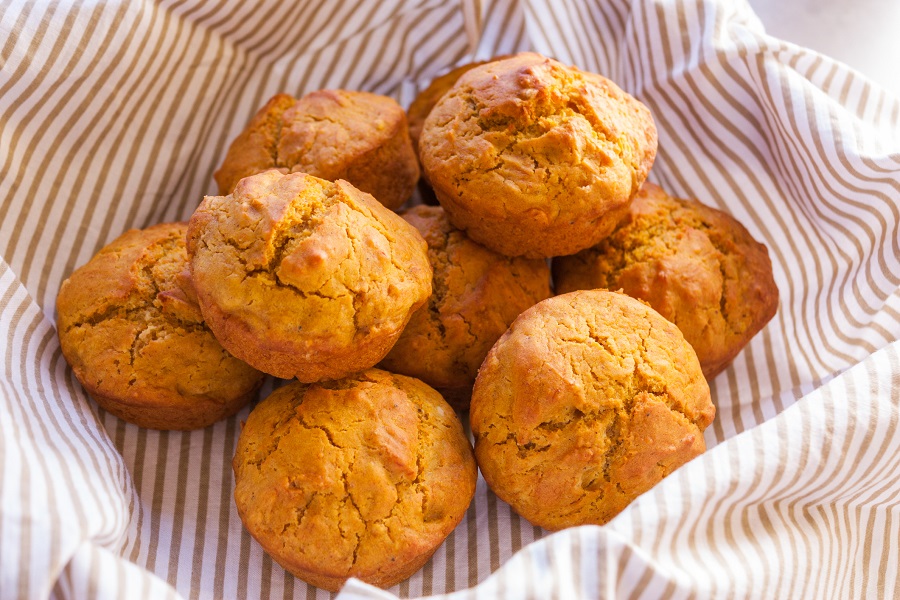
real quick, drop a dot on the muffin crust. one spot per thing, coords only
(362, 477)
(476, 295)
(131, 330)
(697, 266)
(305, 278)
(589, 400)
(534, 158)
(332, 134)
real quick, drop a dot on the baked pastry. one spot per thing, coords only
(420, 108)
(534, 158)
(588, 401)
(134, 336)
(305, 278)
(333, 134)
(476, 295)
(418, 111)
(423, 103)
(697, 266)
(362, 477)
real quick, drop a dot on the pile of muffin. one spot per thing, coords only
(300, 269)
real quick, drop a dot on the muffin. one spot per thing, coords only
(588, 401)
(135, 339)
(418, 112)
(697, 266)
(305, 278)
(420, 107)
(533, 158)
(476, 295)
(362, 477)
(333, 134)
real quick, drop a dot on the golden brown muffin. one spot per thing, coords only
(427, 98)
(333, 134)
(420, 108)
(588, 401)
(534, 158)
(476, 295)
(362, 477)
(696, 265)
(305, 278)
(134, 336)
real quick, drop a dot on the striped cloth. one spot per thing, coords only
(114, 114)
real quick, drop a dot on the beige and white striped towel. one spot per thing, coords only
(113, 114)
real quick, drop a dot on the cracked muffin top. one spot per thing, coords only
(333, 134)
(588, 401)
(131, 330)
(420, 107)
(531, 157)
(362, 477)
(301, 277)
(697, 266)
(476, 295)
